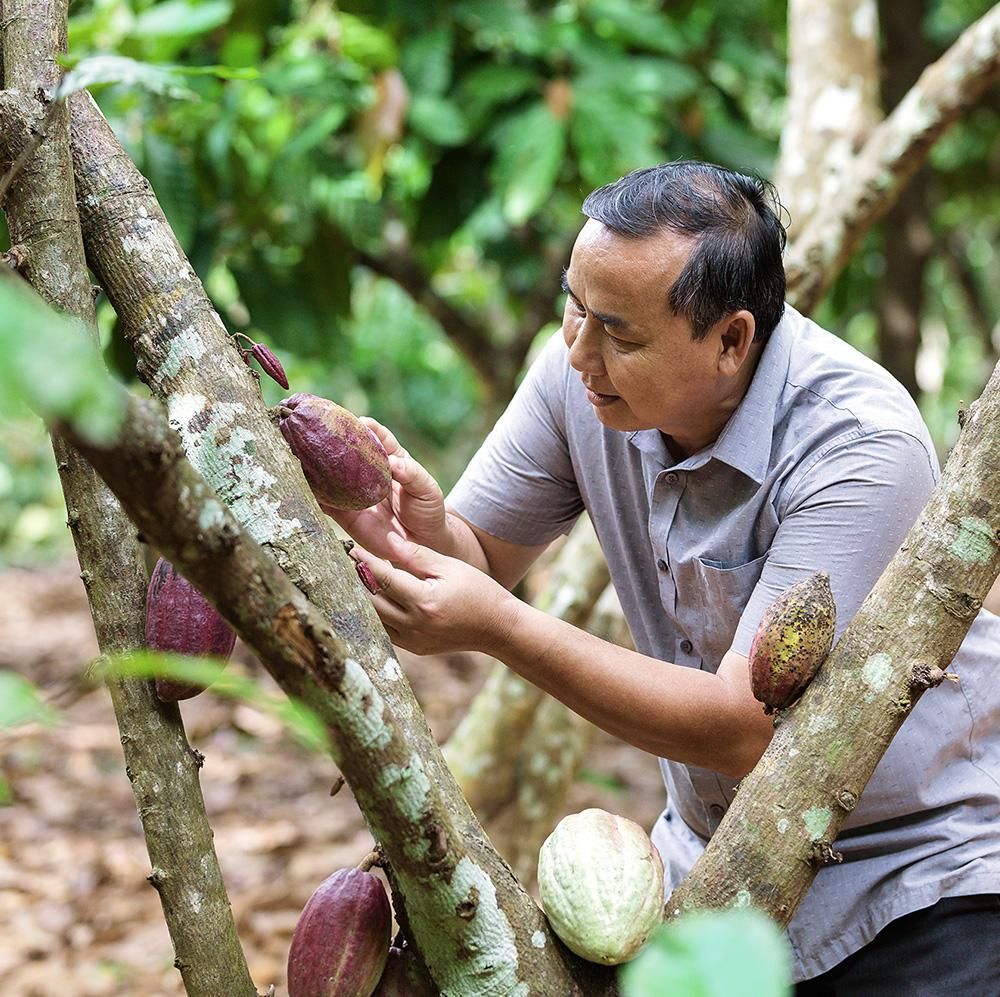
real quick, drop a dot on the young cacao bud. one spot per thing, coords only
(181, 620)
(343, 460)
(341, 941)
(793, 639)
(270, 364)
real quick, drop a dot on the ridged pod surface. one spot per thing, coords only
(343, 460)
(601, 884)
(179, 619)
(341, 941)
(792, 641)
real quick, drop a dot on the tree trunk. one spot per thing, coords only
(893, 153)
(44, 225)
(899, 644)
(832, 100)
(906, 230)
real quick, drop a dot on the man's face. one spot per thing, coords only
(638, 362)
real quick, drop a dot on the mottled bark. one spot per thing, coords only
(906, 231)
(42, 216)
(484, 750)
(477, 930)
(832, 106)
(899, 644)
(892, 154)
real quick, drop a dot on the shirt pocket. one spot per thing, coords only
(711, 600)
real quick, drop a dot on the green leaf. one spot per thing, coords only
(530, 154)
(102, 69)
(732, 953)
(635, 22)
(51, 365)
(438, 120)
(300, 720)
(490, 86)
(426, 62)
(172, 18)
(20, 702)
(366, 44)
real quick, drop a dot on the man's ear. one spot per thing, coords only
(735, 340)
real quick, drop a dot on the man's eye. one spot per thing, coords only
(619, 344)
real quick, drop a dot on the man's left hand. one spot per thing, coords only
(431, 604)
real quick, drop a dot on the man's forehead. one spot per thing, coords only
(660, 255)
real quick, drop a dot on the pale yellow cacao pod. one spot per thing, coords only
(601, 884)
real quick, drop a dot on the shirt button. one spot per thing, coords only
(686, 646)
(671, 478)
(661, 564)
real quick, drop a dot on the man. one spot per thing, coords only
(724, 447)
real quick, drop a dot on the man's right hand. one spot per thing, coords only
(414, 508)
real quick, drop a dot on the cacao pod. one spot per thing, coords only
(793, 639)
(181, 620)
(403, 977)
(341, 941)
(270, 364)
(601, 884)
(343, 460)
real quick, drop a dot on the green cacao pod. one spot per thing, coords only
(792, 641)
(601, 884)
(341, 941)
(343, 460)
(181, 620)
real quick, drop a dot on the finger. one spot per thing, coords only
(386, 436)
(414, 477)
(416, 561)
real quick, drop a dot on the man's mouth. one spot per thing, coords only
(599, 398)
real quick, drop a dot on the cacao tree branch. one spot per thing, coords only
(470, 339)
(477, 930)
(822, 754)
(186, 358)
(161, 766)
(833, 73)
(889, 158)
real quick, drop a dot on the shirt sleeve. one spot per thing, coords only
(847, 513)
(520, 486)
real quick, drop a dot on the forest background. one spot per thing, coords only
(386, 194)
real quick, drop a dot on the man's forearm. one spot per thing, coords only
(463, 543)
(669, 710)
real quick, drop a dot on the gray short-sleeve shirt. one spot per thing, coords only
(825, 464)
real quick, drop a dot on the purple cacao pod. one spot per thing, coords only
(270, 364)
(341, 941)
(344, 462)
(179, 619)
(403, 977)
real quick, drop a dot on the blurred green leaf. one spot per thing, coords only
(181, 18)
(530, 148)
(52, 366)
(426, 61)
(437, 119)
(732, 953)
(20, 702)
(300, 720)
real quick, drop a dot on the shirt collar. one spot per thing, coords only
(745, 440)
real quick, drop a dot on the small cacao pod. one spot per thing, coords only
(181, 620)
(341, 941)
(343, 460)
(403, 977)
(793, 639)
(601, 884)
(269, 363)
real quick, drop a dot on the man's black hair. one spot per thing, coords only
(736, 261)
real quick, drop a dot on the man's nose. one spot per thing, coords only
(584, 349)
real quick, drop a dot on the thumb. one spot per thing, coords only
(419, 561)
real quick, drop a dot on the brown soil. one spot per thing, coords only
(76, 913)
